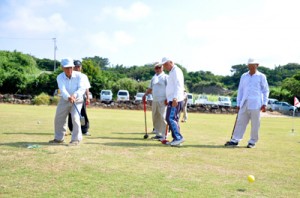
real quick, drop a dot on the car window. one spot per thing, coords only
(106, 93)
(121, 93)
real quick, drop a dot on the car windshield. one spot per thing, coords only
(106, 93)
(139, 94)
(224, 99)
(122, 93)
(190, 97)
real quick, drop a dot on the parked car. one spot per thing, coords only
(149, 97)
(271, 104)
(190, 100)
(123, 95)
(201, 99)
(224, 101)
(57, 92)
(106, 96)
(138, 98)
(233, 102)
(284, 107)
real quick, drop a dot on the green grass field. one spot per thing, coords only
(117, 162)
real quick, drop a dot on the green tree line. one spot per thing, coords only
(25, 74)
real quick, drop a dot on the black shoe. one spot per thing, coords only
(230, 143)
(250, 145)
(157, 137)
(86, 134)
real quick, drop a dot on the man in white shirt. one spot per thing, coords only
(84, 128)
(175, 97)
(72, 89)
(253, 93)
(157, 88)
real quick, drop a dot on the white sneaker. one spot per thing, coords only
(177, 142)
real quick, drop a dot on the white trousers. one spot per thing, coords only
(244, 116)
(158, 117)
(60, 122)
(185, 114)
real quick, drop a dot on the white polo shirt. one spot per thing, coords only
(253, 89)
(69, 86)
(175, 86)
(158, 85)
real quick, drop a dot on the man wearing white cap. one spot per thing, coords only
(72, 89)
(158, 89)
(253, 93)
(175, 97)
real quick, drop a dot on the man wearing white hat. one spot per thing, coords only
(157, 88)
(175, 97)
(253, 93)
(72, 89)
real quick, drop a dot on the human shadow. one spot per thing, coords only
(23, 144)
(127, 144)
(116, 138)
(130, 133)
(25, 133)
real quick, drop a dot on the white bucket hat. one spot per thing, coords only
(67, 62)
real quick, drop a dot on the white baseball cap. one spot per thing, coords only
(67, 62)
(164, 60)
(252, 61)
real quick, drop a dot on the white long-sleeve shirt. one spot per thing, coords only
(175, 86)
(253, 89)
(158, 86)
(69, 86)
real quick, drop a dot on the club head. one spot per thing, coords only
(164, 141)
(146, 136)
(82, 121)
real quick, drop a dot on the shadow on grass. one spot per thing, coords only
(131, 133)
(26, 133)
(116, 138)
(128, 144)
(26, 144)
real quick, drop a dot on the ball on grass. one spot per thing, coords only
(251, 178)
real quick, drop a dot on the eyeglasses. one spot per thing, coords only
(157, 67)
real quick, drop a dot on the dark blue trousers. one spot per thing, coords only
(172, 119)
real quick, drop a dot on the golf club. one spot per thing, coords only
(146, 135)
(234, 124)
(82, 120)
(166, 134)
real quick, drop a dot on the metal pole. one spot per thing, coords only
(55, 48)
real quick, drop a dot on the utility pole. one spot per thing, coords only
(55, 48)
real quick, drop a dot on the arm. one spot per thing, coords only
(265, 93)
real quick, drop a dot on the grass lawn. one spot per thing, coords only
(117, 162)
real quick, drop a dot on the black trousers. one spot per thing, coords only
(84, 128)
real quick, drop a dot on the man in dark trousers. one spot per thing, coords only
(175, 97)
(84, 128)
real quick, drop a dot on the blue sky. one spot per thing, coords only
(209, 35)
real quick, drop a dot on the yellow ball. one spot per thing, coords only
(251, 178)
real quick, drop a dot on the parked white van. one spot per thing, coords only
(106, 96)
(123, 95)
(190, 100)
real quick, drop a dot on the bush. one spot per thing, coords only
(42, 99)
(54, 100)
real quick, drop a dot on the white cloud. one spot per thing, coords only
(135, 12)
(102, 41)
(24, 18)
(272, 34)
